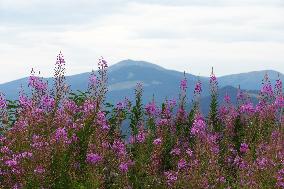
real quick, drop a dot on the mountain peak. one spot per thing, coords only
(129, 62)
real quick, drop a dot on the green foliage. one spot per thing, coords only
(137, 111)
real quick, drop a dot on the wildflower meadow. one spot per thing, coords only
(52, 137)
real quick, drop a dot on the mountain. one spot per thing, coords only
(122, 79)
(250, 80)
(156, 80)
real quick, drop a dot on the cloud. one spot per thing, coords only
(233, 36)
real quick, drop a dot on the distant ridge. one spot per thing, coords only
(129, 62)
(163, 83)
(250, 80)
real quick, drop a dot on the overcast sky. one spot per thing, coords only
(232, 35)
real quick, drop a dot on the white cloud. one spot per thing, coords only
(233, 36)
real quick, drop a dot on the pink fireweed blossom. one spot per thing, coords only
(61, 135)
(247, 108)
(37, 83)
(198, 127)
(11, 162)
(93, 80)
(24, 101)
(93, 158)
(198, 88)
(60, 59)
(189, 152)
(119, 147)
(183, 84)
(262, 163)
(120, 106)
(280, 178)
(102, 63)
(163, 122)
(227, 98)
(182, 164)
(123, 167)
(70, 106)
(157, 141)
(47, 102)
(175, 152)
(141, 137)
(101, 120)
(244, 148)
(278, 87)
(151, 109)
(5, 150)
(39, 170)
(3, 102)
(279, 101)
(266, 90)
(213, 82)
(171, 177)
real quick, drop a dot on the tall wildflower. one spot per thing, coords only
(101, 80)
(3, 111)
(213, 114)
(3, 102)
(181, 110)
(60, 87)
(136, 112)
(266, 91)
(197, 93)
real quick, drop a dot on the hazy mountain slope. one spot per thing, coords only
(250, 80)
(163, 83)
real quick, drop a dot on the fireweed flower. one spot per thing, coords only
(244, 148)
(39, 170)
(213, 82)
(279, 102)
(120, 106)
(266, 91)
(227, 98)
(182, 164)
(183, 84)
(119, 147)
(70, 106)
(171, 177)
(280, 178)
(262, 162)
(101, 120)
(11, 162)
(151, 109)
(278, 87)
(5, 150)
(24, 101)
(175, 152)
(93, 79)
(141, 137)
(37, 83)
(197, 92)
(198, 88)
(163, 122)
(61, 135)
(198, 127)
(123, 167)
(247, 108)
(3, 103)
(189, 152)
(102, 63)
(60, 59)
(93, 158)
(157, 141)
(47, 102)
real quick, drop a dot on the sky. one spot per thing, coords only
(233, 36)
